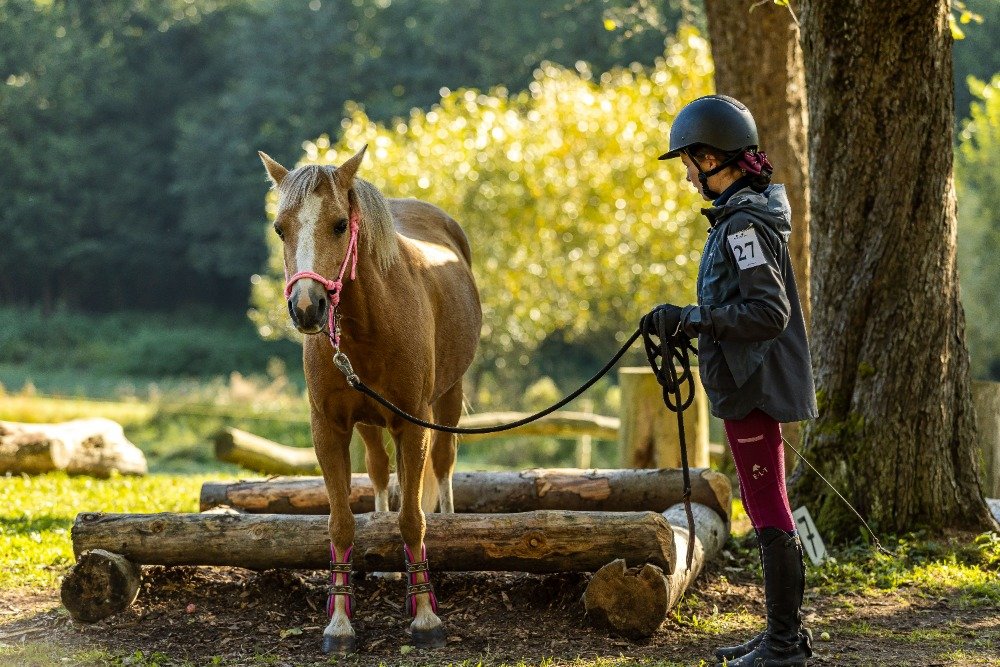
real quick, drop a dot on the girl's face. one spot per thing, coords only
(692, 172)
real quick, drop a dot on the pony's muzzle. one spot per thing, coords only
(307, 306)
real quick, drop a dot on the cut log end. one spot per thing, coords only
(631, 601)
(101, 584)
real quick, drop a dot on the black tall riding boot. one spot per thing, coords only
(730, 653)
(785, 643)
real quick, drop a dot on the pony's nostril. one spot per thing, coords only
(321, 306)
(291, 310)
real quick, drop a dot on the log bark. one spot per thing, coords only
(542, 542)
(494, 492)
(635, 601)
(649, 436)
(94, 447)
(256, 453)
(896, 429)
(100, 585)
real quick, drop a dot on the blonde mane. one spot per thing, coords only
(376, 227)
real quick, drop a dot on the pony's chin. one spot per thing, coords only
(309, 330)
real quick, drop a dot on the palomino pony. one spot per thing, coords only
(409, 322)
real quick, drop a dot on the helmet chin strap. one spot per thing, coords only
(703, 176)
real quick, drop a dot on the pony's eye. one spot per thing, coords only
(341, 226)
(277, 230)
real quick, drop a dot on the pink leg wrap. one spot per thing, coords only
(412, 587)
(340, 581)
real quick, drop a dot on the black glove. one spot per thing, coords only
(663, 321)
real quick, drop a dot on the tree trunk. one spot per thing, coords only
(94, 447)
(758, 60)
(494, 492)
(896, 431)
(545, 541)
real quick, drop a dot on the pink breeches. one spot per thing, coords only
(755, 442)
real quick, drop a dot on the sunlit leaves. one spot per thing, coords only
(573, 222)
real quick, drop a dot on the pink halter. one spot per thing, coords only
(333, 287)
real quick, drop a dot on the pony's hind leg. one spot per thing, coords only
(412, 444)
(334, 454)
(376, 463)
(444, 448)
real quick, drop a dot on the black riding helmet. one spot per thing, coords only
(718, 121)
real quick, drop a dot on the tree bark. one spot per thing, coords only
(94, 447)
(758, 60)
(896, 431)
(494, 492)
(545, 541)
(635, 601)
(101, 584)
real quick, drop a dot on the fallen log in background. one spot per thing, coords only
(635, 601)
(495, 492)
(542, 541)
(256, 453)
(94, 447)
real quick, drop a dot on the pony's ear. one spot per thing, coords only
(275, 171)
(345, 172)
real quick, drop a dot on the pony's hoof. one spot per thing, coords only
(433, 638)
(340, 645)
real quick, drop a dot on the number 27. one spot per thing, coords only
(741, 250)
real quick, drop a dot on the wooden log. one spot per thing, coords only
(543, 541)
(95, 447)
(635, 601)
(100, 585)
(494, 492)
(256, 453)
(648, 437)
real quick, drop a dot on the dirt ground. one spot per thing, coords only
(238, 617)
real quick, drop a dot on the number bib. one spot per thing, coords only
(746, 249)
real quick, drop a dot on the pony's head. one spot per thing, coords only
(315, 207)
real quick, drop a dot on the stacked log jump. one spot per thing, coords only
(535, 521)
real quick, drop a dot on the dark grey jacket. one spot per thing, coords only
(752, 347)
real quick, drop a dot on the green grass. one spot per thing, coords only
(934, 567)
(37, 513)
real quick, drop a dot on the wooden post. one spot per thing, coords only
(648, 437)
(986, 398)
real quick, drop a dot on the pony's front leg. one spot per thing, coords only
(334, 454)
(426, 629)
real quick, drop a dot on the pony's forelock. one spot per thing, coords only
(376, 227)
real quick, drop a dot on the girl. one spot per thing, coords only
(752, 349)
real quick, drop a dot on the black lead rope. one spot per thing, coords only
(669, 348)
(665, 357)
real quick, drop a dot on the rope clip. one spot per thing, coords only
(343, 364)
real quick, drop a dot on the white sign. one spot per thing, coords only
(812, 543)
(746, 248)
